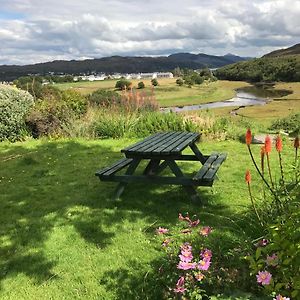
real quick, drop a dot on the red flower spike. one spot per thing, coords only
(268, 144)
(248, 137)
(279, 144)
(297, 142)
(248, 177)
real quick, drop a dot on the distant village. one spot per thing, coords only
(102, 76)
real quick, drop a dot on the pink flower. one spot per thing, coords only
(262, 243)
(204, 264)
(186, 265)
(264, 277)
(180, 290)
(186, 247)
(186, 256)
(199, 276)
(194, 223)
(182, 218)
(206, 254)
(180, 281)
(205, 231)
(272, 260)
(161, 230)
(279, 297)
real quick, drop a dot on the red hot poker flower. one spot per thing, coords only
(297, 142)
(248, 137)
(248, 177)
(278, 143)
(268, 144)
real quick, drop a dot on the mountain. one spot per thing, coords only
(294, 50)
(119, 64)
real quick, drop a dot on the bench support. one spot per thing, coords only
(121, 186)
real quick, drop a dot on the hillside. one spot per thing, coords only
(294, 50)
(120, 64)
(285, 68)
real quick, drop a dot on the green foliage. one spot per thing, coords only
(75, 101)
(141, 85)
(104, 97)
(123, 84)
(48, 119)
(289, 124)
(154, 82)
(278, 253)
(179, 81)
(14, 106)
(285, 68)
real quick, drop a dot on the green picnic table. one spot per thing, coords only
(162, 150)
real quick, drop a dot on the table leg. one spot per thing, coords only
(151, 167)
(197, 152)
(130, 170)
(178, 173)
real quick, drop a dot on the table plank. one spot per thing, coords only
(181, 143)
(145, 143)
(149, 138)
(162, 143)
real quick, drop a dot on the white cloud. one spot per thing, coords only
(72, 29)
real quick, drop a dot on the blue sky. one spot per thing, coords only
(34, 31)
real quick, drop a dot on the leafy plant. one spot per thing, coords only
(277, 257)
(14, 106)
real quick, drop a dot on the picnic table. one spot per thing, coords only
(162, 150)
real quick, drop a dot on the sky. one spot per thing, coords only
(33, 31)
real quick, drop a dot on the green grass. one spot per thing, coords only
(61, 237)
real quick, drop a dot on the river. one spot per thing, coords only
(248, 96)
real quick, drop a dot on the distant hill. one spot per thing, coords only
(294, 50)
(278, 68)
(120, 64)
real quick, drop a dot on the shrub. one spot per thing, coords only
(289, 124)
(49, 118)
(104, 98)
(154, 82)
(123, 84)
(75, 101)
(141, 85)
(179, 81)
(14, 106)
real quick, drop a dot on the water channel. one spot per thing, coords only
(247, 96)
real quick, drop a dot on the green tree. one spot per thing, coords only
(141, 85)
(122, 84)
(154, 82)
(179, 81)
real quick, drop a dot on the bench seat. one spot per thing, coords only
(114, 168)
(208, 171)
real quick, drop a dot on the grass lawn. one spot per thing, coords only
(168, 93)
(61, 237)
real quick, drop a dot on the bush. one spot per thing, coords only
(75, 101)
(154, 82)
(104, 98)
(179, 81)
(14, 106)
(289, 124)
(123, 84)
(141, 85)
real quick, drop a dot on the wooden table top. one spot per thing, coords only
(164, 144)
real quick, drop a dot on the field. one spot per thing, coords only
(63, 238)
(168, 93)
